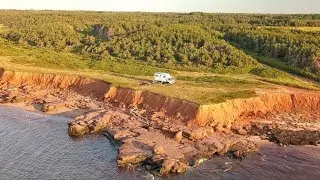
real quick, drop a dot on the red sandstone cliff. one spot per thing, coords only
(224, 113)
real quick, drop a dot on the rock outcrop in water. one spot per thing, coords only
(89, 123)
(165, 134)
(158, 143)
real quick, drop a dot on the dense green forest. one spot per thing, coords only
(300, 49)
(194, 41)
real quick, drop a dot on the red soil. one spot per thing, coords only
(167, 133)
(187, 112)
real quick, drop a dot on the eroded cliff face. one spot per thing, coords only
(223, 114)
(181, 109)
(265, 104)
(163, 133)
(84, 86)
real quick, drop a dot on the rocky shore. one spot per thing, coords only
(157, 143)
(165, 135)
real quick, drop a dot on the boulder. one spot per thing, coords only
(77, 129)
(173, 166)
(241, 148)
(131, 159)
(89, 123)
(48, 107)
(178, 136)
(241, 131)
(99, 123)
(158, 150)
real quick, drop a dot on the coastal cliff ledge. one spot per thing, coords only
(164, 134)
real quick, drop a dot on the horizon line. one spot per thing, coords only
(142, 11)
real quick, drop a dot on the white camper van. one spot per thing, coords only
(163, 78)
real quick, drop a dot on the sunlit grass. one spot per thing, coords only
(202, 93)
(280, 73)
(202, 88)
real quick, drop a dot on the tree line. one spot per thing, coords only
(295, 48)
(188, 41)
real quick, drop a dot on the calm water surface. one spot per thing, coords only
(36, 146)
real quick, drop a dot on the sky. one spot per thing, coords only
(226, 6)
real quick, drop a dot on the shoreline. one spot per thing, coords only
(65, 112)
(165, 135)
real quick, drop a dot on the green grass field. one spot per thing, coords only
(282, 66)
(202, 88)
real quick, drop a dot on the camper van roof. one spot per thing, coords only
(162, 73)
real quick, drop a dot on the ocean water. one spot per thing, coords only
(271, 163)
(37, 146)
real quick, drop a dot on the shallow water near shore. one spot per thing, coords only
(272, 162)
(37, 146)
